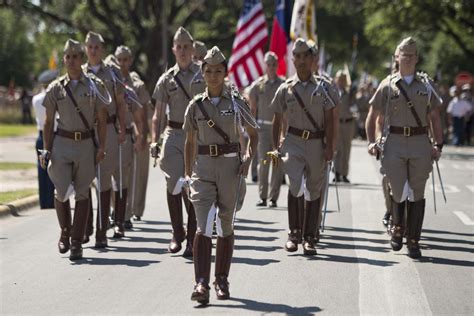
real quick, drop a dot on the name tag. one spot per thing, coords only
(422, 93)
(227, 112)
(172, 89)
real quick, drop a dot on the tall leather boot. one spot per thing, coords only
(63, 211)
(175, 206)
(415, 216)
(90, 221)
(398, 226)
(202, 268)
(191, 227)
(310, 224)
(300, 218)
(224, 251)
(294, 224)
(81, 212)
(103, 219)
(120, 207)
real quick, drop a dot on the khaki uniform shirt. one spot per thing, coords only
(345, 109)
(167, 90)
(263, 90)
(140, 94)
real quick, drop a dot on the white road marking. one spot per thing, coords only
(464, 218)
(470, 187)
(448, 188)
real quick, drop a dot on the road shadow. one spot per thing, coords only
(353, 239)
(147, 239)
(352, 259)
(355, 230)
(260, 229)
(446, 261)
(115, 262)
(263, 308)
(329, 245)
(255, 238)
(252, 221)
(446, 240)
(148, 222)
(150, 230)
(257, 248)
(444, 232)
(157, 251)
(253, 262)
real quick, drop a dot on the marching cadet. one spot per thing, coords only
(261, 94)
(200, 50)
(412, 106)
(136, 99)
(308, 144)
(138, 179)
(72, 155)
(346, 128)
(362, 101)
(174, 88)
(115, 112)
(216, 172)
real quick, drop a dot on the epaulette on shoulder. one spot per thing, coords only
(289, 80)
(135, 76)
(199, 97)
(55, 83)
(423, 76)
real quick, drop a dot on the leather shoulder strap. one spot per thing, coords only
(211, 123)
(180, 84)
(409, 103)
(305, 110)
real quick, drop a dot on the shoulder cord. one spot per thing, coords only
(241, 112)
(130, 94)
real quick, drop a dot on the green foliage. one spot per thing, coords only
(8, 130)
(10, 196)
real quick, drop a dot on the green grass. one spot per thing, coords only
(10, 196)
(7, 130)
(16, 165)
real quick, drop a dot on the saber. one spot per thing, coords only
(441, 182)
(120, 169)
(434, 194)
(134, 180)
(99, 209)
(328, 171)
(337, 194)
(237, 199)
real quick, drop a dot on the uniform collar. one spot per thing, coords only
(397, 77)
(193, 67)
(225, 93)
(82, 79)
(297, 80)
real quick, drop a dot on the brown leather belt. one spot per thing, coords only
(305, 134)
(176, 125)
(218, 150)
(409, 131)
(347, 120)
(111, 119)
(77, 136)
(129, 130)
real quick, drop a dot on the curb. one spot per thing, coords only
(19, 205)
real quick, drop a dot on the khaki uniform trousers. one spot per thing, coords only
(264, 146)
(172, 159)
(214, 191)
(72, 162)
(304, 158)
(407, 160)
(127, 156)
(138, 183)
(110, 162)
(346, 134)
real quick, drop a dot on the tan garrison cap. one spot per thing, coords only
(200, 49)
(312, 46)
(270, 57)
(214, 56)
(407, 45)
(73, 47)
(300, 46)
(123, 51)
(94, 38)
(182, 35)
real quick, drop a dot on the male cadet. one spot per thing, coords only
(174, 88)
(200, 50)
(139, 177)
(304, 151)
(213, 125)
(412, 106)
(116, 112)
(346, 128)
(136, 99)
(261, 94)
(72, 154)
(45, 186)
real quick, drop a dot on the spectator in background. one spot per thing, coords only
(466, 94)
(459, 111)
(445, 94)
(26, 107)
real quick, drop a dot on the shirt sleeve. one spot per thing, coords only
(253, 91)
(278, 104)
(99, 104)
(333, 94)
(160, 93)
(49, 101)
(189, 122)
(377, 99)
(435, 101)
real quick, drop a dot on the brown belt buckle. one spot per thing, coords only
(305, 134)
(77, 136)
(406, 131)
(213, 152)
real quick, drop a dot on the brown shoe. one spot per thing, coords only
(81, 212)
(222, 287)
(103, 220)
(63, 211)
(188, 251)
(120, 207)
(201, 293)
(308, 246)
(292, 242)
(174, 246)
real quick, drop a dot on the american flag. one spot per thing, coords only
(246, 61)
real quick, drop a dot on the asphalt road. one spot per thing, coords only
(355, 271)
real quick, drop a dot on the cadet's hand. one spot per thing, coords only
(244, 167)
(274, 157)
(328, 153)
(435, 153)
(122, 137)
(100, 155)
(43, 157)
(155, 150)
(139, 145)
(373, 149)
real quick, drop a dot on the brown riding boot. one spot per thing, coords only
(310, 225)
(102, 219)
(397, 229)
(192, 225)
(120, 207)
(294, 222)
(90, 221)
(224, 250)
(81, 212)
(63, 211)
(175, 206)
(202, 268)
(415, 215)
